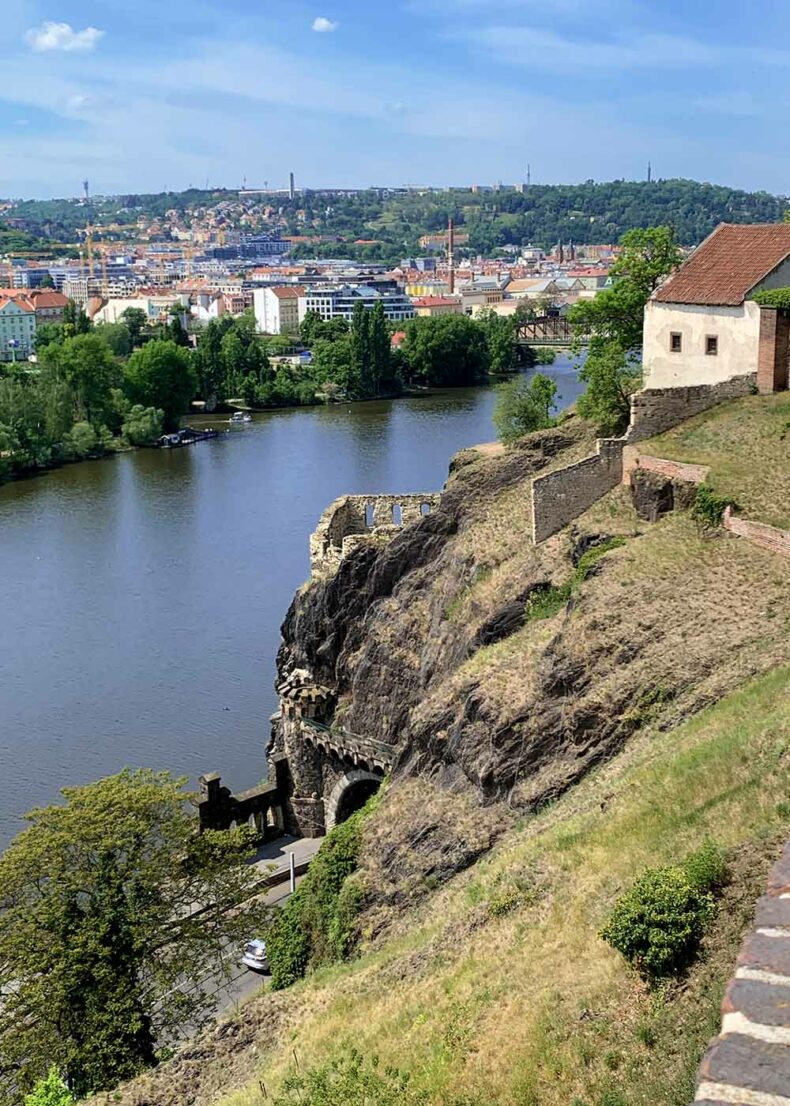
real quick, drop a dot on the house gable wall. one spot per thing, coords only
(736, 328)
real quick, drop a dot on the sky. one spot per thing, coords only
(146, 95)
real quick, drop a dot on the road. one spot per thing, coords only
(271, 859)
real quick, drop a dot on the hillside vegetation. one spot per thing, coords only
(561, 742)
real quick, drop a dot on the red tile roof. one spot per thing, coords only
(289, 292)
(435, 301)
(728, 264)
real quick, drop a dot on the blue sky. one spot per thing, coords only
(141, 95)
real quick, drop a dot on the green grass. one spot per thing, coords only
(500, 989)
(747, 445)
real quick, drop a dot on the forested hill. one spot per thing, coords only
(387, 224)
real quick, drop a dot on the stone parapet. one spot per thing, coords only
(350, 519)
(654, 410)
(749, 1062)
(561, 496)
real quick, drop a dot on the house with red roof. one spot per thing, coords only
(17, 328)
(703, 326)
(437, 305)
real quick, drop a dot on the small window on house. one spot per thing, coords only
(675, 341)
(712, 344)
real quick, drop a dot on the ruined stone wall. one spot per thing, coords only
(767, 537)
(675, 470)
(654, 410)
(561, 496)
(351, 518)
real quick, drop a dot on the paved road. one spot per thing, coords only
(273, 858)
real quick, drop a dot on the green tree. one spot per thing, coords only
(47, 281)
(174, 331)
(136, 322)
(523, 405)
(104, 955)
(161, 374)
(361, 383)
(500, 337)
(611, 325)
(210, 364)
(379, 351)
(446, 351)
(49, 334)
(88, 366)
(75, 321)
(143, 425)
(50, 1091)
(117, 337)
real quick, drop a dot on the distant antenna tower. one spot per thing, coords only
(649, 172)
(291, 186)
(451, 254)
(529, 175)
(86, 190)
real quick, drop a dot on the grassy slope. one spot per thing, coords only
(747, 445)
(500, 988)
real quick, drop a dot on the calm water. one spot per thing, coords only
(141, 596)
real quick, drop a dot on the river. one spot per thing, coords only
(142, 595)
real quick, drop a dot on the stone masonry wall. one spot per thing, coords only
(768, 537)
(749, 1062)
(654, 410)
(562, 495)
(675, 470)
(355, 516)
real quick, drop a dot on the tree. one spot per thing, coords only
(611, 324)
(49, 334)
(379, 351)
(174, 331)
(47, 281)
(524, 405)
(75, 321)
(360, 377)
(500, 336)
(449, 351)
(88, 366)
(104, 955)
(50, 1091)
(161, 374)
(143, 425)
(136, 322)
(117, 337)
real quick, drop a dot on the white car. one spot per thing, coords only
(254, 957)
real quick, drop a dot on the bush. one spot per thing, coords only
(143, 425)
(523, 406)
(81, 441)
(350, 1080)
(658, 924)
(51, 1091)
(545, 602)
(316, 924)
(708, 507)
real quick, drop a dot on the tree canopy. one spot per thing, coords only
(160, 374)
(117, 917)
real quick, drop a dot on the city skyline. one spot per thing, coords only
(149, 97)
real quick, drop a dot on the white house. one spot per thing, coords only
(277, 309)
(702, 325)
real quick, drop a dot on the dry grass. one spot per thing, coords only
(747, 445)
(532, 1007)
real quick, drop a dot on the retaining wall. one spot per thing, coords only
(654, 410)
(675, 470)
(561, 496)
(352, 517)
(767, 537)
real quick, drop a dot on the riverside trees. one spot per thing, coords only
(115, 920)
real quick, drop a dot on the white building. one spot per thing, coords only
(702, 325)
(277, 309)
(155, 305)
(333, 301)
(17, 329)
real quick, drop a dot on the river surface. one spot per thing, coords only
(141, 596)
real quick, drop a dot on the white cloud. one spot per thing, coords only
(322, 24)
(62, 36)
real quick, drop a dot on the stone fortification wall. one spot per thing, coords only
(767, 537)
(654, 410)
(675, 470)
(561, 496)
(351, 518)
(749, 1062)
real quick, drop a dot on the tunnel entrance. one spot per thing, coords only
(349, 795)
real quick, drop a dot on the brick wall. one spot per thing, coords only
(561, 496)
(654, 410)
(768, 537)
(675, 470)
(774, 348)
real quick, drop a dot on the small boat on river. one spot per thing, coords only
(238, 418)
(188, 435)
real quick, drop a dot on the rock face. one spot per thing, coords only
(654, 495)
(423, 644)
